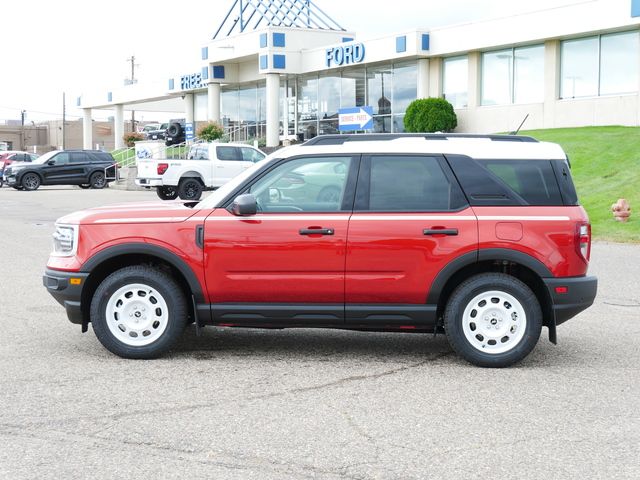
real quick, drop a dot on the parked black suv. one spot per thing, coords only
(86, 168)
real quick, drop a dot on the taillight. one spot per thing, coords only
(583, 240)
(162, 167)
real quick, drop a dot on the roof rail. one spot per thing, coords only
(367, 137)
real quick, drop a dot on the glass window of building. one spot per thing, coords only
(602, 65)
(579, 66)
(308, 106)
(514, 75)
(619, 63)
(353, 91)
(379, 93)
(229, 107)
(405, 86)
(456, 80)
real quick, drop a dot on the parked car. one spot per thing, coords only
(176, 132)
(13, 156)
(158, 133)
(479, 237)
(86, 168)
(207, 167)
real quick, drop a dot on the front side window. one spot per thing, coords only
(62, 159)
(408, 184)
(303, 185)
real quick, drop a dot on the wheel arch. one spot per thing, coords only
(113, 258)
(512, 262)
(191, 174)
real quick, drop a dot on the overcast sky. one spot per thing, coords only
(49, 47)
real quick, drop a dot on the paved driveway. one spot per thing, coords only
(237, 404)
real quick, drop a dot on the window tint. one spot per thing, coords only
(228, 153)
(61, 158)
(251, 155)
(411, 183)
(303, 185)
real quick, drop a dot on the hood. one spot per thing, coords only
(19, 164)
(144, 212)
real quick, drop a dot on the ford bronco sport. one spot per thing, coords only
(479, 237)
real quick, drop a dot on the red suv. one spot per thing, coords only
(479, 237)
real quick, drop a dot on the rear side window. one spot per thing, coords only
(507, 182)
(565, 182)
(399, 183)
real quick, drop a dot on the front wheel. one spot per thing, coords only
(167, 193)
(190, 189)
(138, 312)
(97, 180)
(493, 320)
(30, 181)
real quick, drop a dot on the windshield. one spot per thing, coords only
(45, 158)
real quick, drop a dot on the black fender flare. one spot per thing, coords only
(148, 249)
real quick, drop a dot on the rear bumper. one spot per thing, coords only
(68, 295)
(580, 294)
(149, 182)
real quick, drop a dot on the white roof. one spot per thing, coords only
(473, 147)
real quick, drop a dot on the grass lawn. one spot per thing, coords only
(605, 165)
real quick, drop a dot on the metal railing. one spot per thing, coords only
(127, 157)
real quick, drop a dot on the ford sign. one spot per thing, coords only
(345, 55)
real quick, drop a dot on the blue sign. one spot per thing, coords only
(188, 131)
(188, 82)
(357, 118)
(344, 55)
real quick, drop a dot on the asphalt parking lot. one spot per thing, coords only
(244, 404)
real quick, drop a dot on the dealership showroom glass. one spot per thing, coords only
(286, 72)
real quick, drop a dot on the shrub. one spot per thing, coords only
(131, 138)
(430, 115)
(210, 132)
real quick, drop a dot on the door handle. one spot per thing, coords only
(317, 231)
(440, 231)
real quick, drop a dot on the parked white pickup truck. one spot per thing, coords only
(207, 167)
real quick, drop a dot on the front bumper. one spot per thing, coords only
(149, 182)
(67, 293)
(580, 294)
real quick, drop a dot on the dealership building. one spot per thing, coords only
(285, 69)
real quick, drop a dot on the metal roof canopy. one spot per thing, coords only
(276, 13)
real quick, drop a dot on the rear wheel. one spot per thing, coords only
(138, 312)
(30, 181)
(97, 180)
(493, 320)
(167, 193)
(190, 189)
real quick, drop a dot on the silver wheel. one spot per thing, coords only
(137, 314)
(494, 322)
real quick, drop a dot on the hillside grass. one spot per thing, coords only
(605, 165)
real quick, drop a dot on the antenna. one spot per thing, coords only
(516, 132)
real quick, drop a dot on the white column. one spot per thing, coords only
(87, 129)
(213, 97)
(423, 77)
(551, 81)
(188, 108)
(118, 126)
(435, 77)
(273, 122)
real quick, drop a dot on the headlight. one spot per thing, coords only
(65, 240)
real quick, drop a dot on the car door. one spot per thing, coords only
(228, 163)
(285, 263)
(410, 220)
(56, 169)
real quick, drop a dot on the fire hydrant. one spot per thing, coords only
(621, 210)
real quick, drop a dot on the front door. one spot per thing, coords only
(286, 263)
(410, 220)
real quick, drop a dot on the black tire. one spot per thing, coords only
(1, 182)
(161, 287)
(85, 186)
(329, 194)
(496, 314)
(98, 180)
(190, 189)
(167, 193)
(174, 130)
(17, 187)
(30, 181)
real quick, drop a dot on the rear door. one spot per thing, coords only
(410, 220)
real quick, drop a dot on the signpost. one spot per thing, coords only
(188, 132)
(357, 118)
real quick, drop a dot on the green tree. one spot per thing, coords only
(210, 132)
(430, 115)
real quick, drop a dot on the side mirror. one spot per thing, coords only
(244, 205)
(51, 162)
